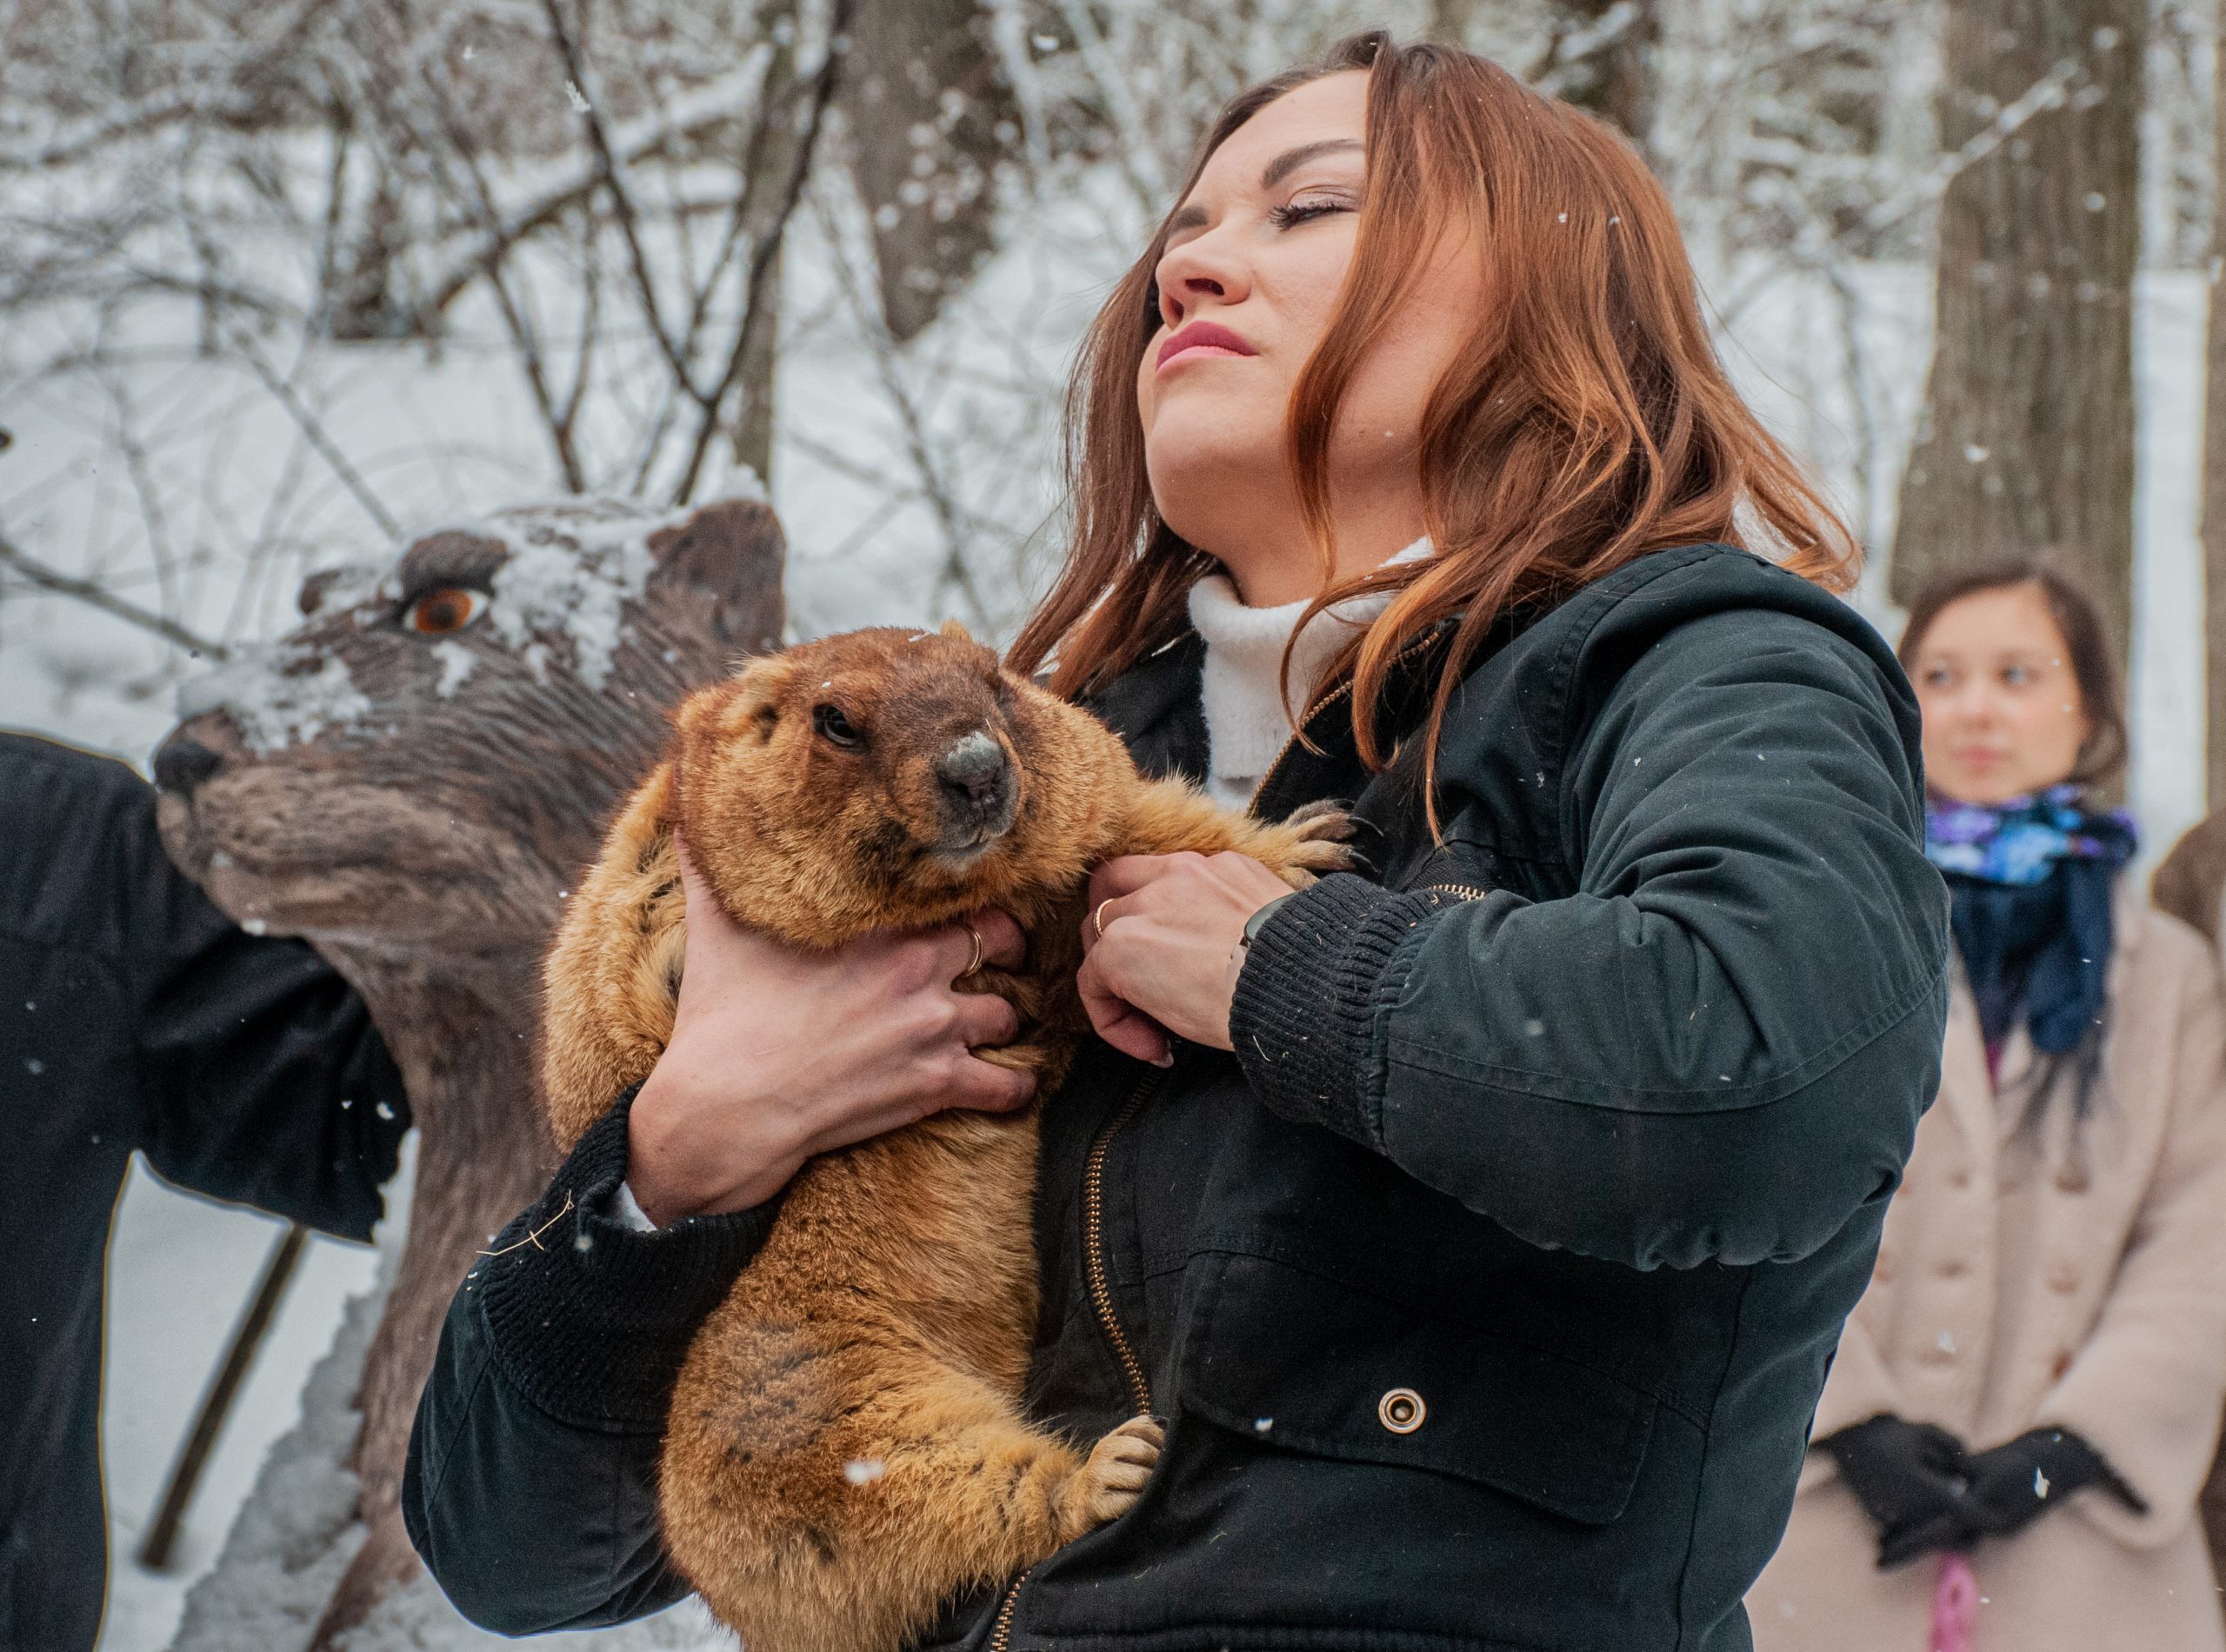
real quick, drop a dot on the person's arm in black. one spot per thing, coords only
(254, 1072)
(262, 1078)
(1719, 1045)
(530, 1488)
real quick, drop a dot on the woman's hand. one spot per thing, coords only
(777, 1054)
(1167, 959)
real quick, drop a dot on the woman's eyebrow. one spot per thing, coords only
(1194, 217)
(1290, 160)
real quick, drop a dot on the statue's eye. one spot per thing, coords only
(449, 608)
(834, 727)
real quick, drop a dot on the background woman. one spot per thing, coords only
(2034, 1377)
(1481, 1226)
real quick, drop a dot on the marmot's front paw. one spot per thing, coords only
(1107, 1486)
(1311, 839)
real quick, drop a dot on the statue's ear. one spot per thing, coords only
(729, 552)
(315, 587)
(956, 632)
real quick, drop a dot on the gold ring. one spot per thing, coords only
(974, 968)
(1097, 918)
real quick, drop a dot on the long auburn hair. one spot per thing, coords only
(1585, 421)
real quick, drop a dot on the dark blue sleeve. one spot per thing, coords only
(1718, 1045)
(531, 1487)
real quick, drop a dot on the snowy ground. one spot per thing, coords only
(180, 1268)
(179, 1272)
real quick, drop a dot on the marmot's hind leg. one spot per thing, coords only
(852, 1540)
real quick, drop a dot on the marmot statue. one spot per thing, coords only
(846, 1448)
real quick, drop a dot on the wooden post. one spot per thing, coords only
(216, 1404)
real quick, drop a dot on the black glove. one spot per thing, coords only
(1910, 1479)
(2014, 1483)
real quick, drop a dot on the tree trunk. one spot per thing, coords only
(1600, 55)
(929, 117)
(1609, 69)
(2027, 444)
(2214, 525)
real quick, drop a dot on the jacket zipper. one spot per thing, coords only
(1101, 1301)
(1001, 1633)
(1101, 1288)
(1466, 891)
(1341, 691)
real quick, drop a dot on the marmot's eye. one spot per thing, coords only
(449, 609)
(835, 727)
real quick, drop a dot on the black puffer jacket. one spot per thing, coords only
(135, 1014)
(1488, 1290)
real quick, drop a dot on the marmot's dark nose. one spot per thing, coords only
(977, 780)
(183, 763)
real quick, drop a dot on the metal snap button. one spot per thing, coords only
(1401, 1411)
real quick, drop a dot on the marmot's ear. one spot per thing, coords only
(744, 706)
(956, 632)
(728, 554)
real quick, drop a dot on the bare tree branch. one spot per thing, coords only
(94, 594)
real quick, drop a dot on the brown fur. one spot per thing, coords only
(885, 1328)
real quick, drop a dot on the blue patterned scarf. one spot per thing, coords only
(2030, 883)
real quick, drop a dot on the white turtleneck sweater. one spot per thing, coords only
(1247, 722)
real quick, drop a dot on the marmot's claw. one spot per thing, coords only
(1119, 1465)
(1320, 822)
(1312, 840)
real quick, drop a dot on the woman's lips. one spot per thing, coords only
(1202, 338)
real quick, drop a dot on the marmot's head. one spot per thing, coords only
(887, 778)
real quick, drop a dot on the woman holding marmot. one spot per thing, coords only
(1480, 1224)
(2009, 1447)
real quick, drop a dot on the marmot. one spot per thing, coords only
(846, 1447)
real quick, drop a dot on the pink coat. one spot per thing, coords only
(2027, 1280)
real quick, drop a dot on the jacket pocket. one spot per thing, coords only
(1308, 1364)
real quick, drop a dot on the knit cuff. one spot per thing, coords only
(590, 1319)
(1303, 1019)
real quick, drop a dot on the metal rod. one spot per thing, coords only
(223, 1389)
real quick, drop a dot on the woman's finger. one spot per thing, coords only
(985, 1019)
(1098, 919)
(1126, 874)
(1120, 1023)
(985, 1086)
(986, 940)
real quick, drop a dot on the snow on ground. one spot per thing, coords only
(179, 1272)
(448, 435)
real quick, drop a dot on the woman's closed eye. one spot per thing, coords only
(1292, 213)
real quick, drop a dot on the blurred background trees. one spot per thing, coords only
(279, 278)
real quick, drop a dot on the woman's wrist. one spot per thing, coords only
(685, 1159)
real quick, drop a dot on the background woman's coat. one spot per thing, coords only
(2033, 1273)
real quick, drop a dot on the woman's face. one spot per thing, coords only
(2002, 711)
(1253, 265)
